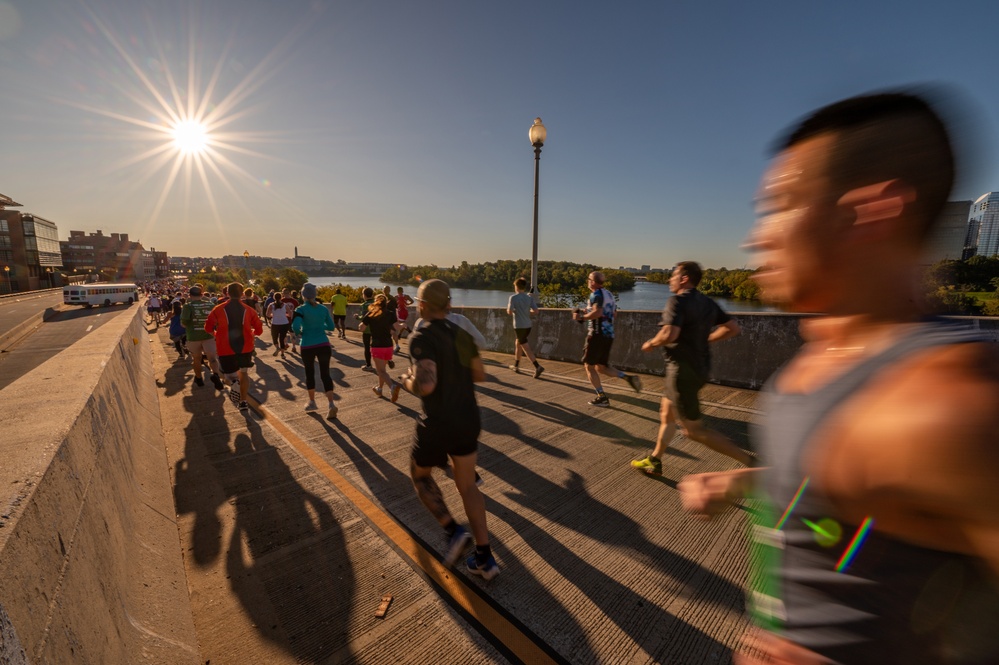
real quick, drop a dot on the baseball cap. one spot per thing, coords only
(194, 291)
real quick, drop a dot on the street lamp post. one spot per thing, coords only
(6, 272)
(49, 271)
(537, 134)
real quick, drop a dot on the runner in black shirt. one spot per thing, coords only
(447, 363)
(690, 321)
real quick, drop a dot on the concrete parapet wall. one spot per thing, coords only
(768, 340)
(92, 571)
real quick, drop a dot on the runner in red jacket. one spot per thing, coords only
(235, 325)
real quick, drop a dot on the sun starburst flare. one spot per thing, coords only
(189, 127)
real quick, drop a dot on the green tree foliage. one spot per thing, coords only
(730, 284)
(266, 280)
(501, 274)
(720, 283)
(555, 296)
(353, 293)
(949, 284)
(215, 281)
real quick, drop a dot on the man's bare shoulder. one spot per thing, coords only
(916, 447)
(944, 397)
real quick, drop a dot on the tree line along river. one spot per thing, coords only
(645, 295)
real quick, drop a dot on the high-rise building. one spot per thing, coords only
(982, 238)
(29, 249)
(949, 235)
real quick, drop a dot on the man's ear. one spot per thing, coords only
(881, 202)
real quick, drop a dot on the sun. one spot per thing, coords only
(190, 137)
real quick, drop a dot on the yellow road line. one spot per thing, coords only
(516, 641)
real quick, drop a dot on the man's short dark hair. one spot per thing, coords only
(235, 290)
(520, 283)
(692, 270)
(883, 136)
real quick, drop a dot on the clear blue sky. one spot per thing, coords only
(397, 131)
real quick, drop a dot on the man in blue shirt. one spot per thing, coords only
(596, 352)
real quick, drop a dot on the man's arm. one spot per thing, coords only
(210, 323)
(478, 370)
(421, 378)
(707, 494)
(186, 316)
(726, 330)
(666, 335)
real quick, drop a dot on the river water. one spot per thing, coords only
(645, 295)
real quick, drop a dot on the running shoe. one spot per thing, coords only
(457, 545)
(217, 381)
(634, 381)
(395, 392)
(486, 571)
(234, 392)
(391, 364)
(198, 381)
(377, 391)
(398, 349)
(244, 407)
(515, 368)
(368, 368)
(649, 465)
(331, 412)
(276, 351)
(537, 371)
(311, 406)
(600, 400)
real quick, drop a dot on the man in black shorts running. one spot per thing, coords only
(691, 320)
(235, 325)
(600, 313)
(446, 364)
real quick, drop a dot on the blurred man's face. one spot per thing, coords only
(798, 232)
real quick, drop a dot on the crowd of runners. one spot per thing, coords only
(881, 541)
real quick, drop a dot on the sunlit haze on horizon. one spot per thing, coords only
(397, 131)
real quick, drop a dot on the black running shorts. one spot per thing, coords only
(231, 364)
(522, 334)
(597, 349)
(681, 388)
(432, 447)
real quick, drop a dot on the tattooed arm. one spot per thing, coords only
(421, 379)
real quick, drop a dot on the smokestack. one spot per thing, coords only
(296, 251)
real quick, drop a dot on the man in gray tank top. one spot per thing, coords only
(882, 540)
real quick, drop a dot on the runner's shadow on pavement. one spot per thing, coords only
(285, 558)
(376, 471)
(175, 379)
(556, 413)
(271, 381)
(628, 609)
(309, 587)
(496, 423)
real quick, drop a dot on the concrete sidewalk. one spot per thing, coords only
(293, 528)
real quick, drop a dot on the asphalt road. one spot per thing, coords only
(51, 337)
(17, 309)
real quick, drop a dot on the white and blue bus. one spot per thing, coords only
(104, 295)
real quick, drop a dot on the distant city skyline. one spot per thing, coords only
(400, 129)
